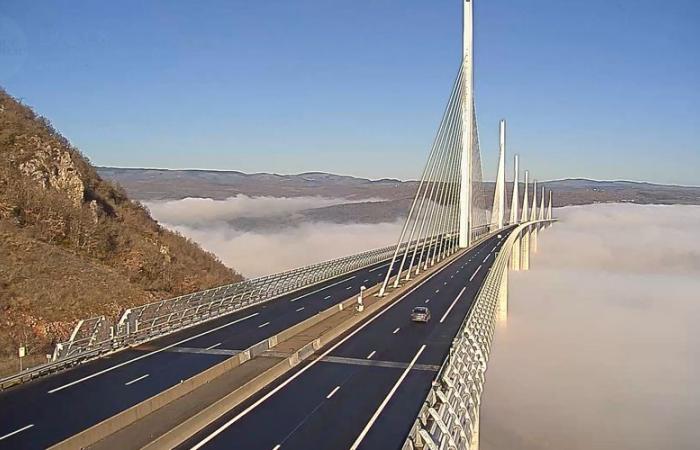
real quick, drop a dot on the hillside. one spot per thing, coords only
(73, 245)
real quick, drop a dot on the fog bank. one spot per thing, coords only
(265, 251)
(601, 348)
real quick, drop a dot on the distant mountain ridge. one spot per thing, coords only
(166, 184)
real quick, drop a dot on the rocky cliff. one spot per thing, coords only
(73, 245)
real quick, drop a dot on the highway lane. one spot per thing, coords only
(48, 410)
(367, 388)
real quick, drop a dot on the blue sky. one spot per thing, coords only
(597, 88)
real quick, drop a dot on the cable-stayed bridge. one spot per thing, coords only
(324, 356)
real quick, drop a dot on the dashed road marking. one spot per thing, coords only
(136, 379)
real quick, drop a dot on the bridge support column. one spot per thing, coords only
(525, 250)
(533, 238)
(503, 299)
(515, 255)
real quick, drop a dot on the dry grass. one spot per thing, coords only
(64, 258)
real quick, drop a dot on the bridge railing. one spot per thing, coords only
(449, 417)
(99, 335)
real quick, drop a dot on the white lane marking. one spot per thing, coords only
(427, 301)
(320, 289)
(214, 346)
(437, 291)
(366, 281)
(277, 447)
(327, 297)
(282, 385)
(487, 257)
(452, 305)
(136, 379)
(16, 431)
(475, 272)
(396, 331)
(379, 410)
(379, 267)
(371, 354)
(109, 369)
(452, 276)
(379, 274)
(264, 324)
(300, 309)
(332, 392)
(445, 283)
(348, 288)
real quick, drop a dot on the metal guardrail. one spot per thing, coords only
(99, 335)
(449, 417)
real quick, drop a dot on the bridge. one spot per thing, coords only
(324, 356)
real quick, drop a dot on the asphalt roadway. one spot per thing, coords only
(364, 391)
(48, 410)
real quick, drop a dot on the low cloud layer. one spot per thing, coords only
(256, 253)
(601, 348)
(206, 211)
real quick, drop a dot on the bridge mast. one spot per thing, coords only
(467, 107)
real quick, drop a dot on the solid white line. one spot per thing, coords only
(475, 272)
(136, 379)
(487, 257)
(371, 354)
(379, 267)
(320, 289)
(213, 346)
(282, 385)
(300, 309)
(333, 392)
(149, 354)
(396, 331)
(16, 431)
(264, 324)
(452, 305)
(379, 410)
(327, 297)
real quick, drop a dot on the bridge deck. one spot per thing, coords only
(65, 403)
(336, 402)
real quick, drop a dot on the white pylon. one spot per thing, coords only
(533, 209)
(465, 185)
(498, 212)
(533, 218)
(541, 217)
(549, 207)
(525, 217)
(514, 204)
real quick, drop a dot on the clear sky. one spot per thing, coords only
(596, 88)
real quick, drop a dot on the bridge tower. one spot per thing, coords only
(533, 218)
(549, 207)
(498, 212)
(514, 207)
(525, 241)
(467, 124)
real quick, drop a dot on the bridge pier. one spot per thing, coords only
(515, 255)
(525, 250)
(503, 298)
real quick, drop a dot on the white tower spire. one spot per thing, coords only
(467, 105)
(514, 204)
(549, 207)
(525, 216)
(498, 212)
(533, 210)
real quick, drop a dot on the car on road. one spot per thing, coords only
(420, 314)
